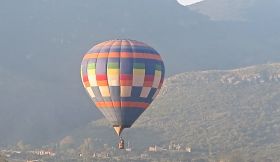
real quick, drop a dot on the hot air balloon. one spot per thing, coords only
(122, 77)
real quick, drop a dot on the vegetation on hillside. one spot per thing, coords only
(217, 112)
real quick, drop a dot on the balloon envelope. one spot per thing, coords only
(122, 77)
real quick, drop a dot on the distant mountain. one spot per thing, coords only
(218, 110)
(225, 10)
(237, 10)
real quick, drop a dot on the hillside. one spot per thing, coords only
(237, 10)
(216, 110)
(226, 10)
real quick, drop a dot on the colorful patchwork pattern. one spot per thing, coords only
(122, 77)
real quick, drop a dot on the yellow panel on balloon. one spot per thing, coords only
(113, 72)
(140, 72)
(125, 91)
(157, 73)
(92, 77)
(145, 92)
(104, 90)
(157, 79)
